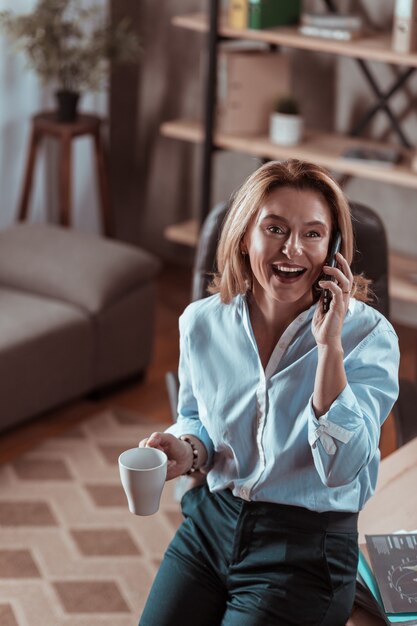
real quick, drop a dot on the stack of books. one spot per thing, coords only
(386, 157)
(343, 27)
(386, 582)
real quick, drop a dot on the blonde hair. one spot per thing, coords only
(233, 269)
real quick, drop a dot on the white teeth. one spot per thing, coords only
(283, 268)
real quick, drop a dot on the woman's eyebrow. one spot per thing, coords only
(316, 223)
(273, 216)
(283, 219)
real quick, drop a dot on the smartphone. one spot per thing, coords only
(331, 262)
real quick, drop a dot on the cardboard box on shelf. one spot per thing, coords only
(249, 84)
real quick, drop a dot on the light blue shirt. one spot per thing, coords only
(259, 427)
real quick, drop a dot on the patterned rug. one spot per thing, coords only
(70, 552)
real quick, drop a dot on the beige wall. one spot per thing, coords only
(155, 180)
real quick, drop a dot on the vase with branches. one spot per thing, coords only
(70, 44)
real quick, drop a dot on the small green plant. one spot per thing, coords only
(287, 105)
(71, 45)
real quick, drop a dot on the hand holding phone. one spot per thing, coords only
(331, 262)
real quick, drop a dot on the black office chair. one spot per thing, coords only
(370, 257)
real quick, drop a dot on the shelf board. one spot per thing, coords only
(325, 149)
(185, 233)
(403, 278)
(375, 47)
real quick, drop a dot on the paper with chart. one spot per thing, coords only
(394, 563)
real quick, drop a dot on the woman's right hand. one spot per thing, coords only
(179, 453)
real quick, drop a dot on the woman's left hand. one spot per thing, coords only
(327, 327)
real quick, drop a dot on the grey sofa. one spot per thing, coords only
(76, 313)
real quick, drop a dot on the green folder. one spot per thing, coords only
(270, 13)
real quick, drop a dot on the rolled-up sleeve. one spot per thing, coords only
(346, 438)
(188, 420)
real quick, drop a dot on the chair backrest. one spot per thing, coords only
(205, 257)
(370, 257)
(371, 253)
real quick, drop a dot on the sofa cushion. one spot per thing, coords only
(90, 271)
(47, 354)
(125, 333)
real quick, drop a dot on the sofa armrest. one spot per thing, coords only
(83, 269)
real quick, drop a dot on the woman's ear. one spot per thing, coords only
(243, 248)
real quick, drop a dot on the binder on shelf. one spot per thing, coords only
(248, 84)
(404, 37)
(238, 13)
(271, 13)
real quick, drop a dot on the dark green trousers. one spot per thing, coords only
(237, 563)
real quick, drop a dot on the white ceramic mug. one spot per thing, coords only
(143, 473)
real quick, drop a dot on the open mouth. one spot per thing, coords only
(287, 273)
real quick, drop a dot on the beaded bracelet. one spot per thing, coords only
(194, 466)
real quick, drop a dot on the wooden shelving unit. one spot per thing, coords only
(375, 47)
(403, 278)
(185, 233)
(325, 149)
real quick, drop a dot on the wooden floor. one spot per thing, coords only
(149, 397)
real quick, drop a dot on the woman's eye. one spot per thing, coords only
(275, 230)
(313, 233)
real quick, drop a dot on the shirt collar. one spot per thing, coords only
(304, 315)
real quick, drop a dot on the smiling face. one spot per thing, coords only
(287, 244)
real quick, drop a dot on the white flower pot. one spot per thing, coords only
(286, 130)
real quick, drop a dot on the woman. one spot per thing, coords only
(281, 406)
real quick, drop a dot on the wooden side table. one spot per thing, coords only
(44, 124)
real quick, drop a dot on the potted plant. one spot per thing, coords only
(70, 46)
(286, 124)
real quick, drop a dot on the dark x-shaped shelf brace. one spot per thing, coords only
(382, 96)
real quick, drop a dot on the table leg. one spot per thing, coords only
(28, 177)
(104, 191)
(65, 181)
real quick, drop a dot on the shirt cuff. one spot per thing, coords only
(194, 427)
(327, 430)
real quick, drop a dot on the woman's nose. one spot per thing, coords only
(292, 247)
